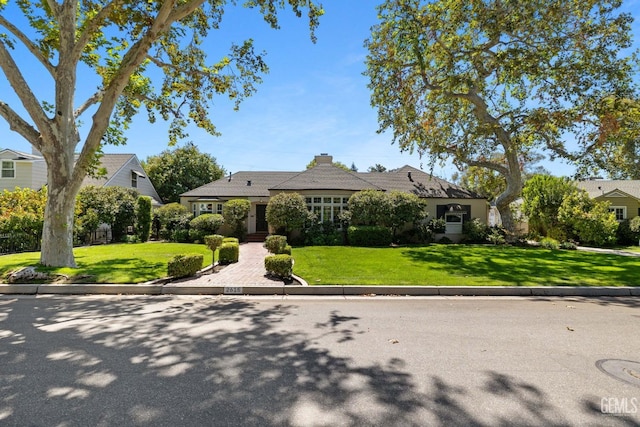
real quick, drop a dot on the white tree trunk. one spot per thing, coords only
(57, 235)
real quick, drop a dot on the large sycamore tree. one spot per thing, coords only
(479, 80)
(119, 56)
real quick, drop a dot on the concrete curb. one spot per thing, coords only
(340, 290)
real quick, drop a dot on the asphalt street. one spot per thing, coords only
(319, 361)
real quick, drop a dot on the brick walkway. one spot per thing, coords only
(248, 271)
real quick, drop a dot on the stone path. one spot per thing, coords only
(248, 271)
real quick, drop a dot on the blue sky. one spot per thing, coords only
(314, 100)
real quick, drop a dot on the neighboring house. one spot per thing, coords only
(623, 195)
(327, 188)
(30, 171)
(124, 170)
(22, 170)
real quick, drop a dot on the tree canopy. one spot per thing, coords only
(132, 56)
(176, 171)
(471, 80)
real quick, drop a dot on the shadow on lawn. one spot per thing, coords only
(531, 266)
(165, 362)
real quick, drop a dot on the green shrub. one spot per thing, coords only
(475, 231)
(228, 253)
(369, 235)
(185, 265)
(324, 234)
(180, 235)
(204, 225)
(280, 265)
(444, 240)
(497, 236)
(287, 212)
(235, 213)
(287, 250)
(549, 243)
(214, 241)
(143, 218)
(437, 225)
(275, 244)
(231, 240)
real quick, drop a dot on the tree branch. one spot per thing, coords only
(22, 90)
(92, 26)
(29, 45)
(19, 125)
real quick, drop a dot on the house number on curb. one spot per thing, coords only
(233, 290)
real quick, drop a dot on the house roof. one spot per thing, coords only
(20, 155)
(241, 184)
(112, 163)
(411, 180)
(325, 176)
(598, 188)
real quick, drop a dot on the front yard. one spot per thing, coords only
(114, 263)
(469, 265)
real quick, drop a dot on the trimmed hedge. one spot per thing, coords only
(231, 240)
(276, 244)
(280, 265)
(185, 265)
(228, 253)
(369, 235)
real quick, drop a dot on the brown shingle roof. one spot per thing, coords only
(329, 177)
(238, 185)
(326, 177)
(411, 180)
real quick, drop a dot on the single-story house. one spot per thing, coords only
(327, 188)
(623, 195)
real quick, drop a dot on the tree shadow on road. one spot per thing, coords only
(162, 361)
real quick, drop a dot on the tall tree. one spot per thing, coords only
(176, 171)
(489, 183)
(472, 79)
(126, 44)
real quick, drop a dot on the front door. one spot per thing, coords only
(261, 219)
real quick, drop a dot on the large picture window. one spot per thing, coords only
(8, 169)
(327, 208)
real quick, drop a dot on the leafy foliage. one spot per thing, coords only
(369, 235)
(280, 265)
(287, 212)
(174, 221)
(143, 218)
(204, 225)
(542, 197)
(588, 220)
(275, 244)
(370, 207)
(185, 265)
(405, 209)
(484, 80)
(177, 171)
(21, 219)
(235, 213)
(114, 206)
(228, 252)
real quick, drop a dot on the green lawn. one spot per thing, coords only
(473, 265)
(117, 263)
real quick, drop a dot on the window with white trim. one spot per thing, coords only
(327, 208)
(209, 208)
(8, 169)
(620, 211)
